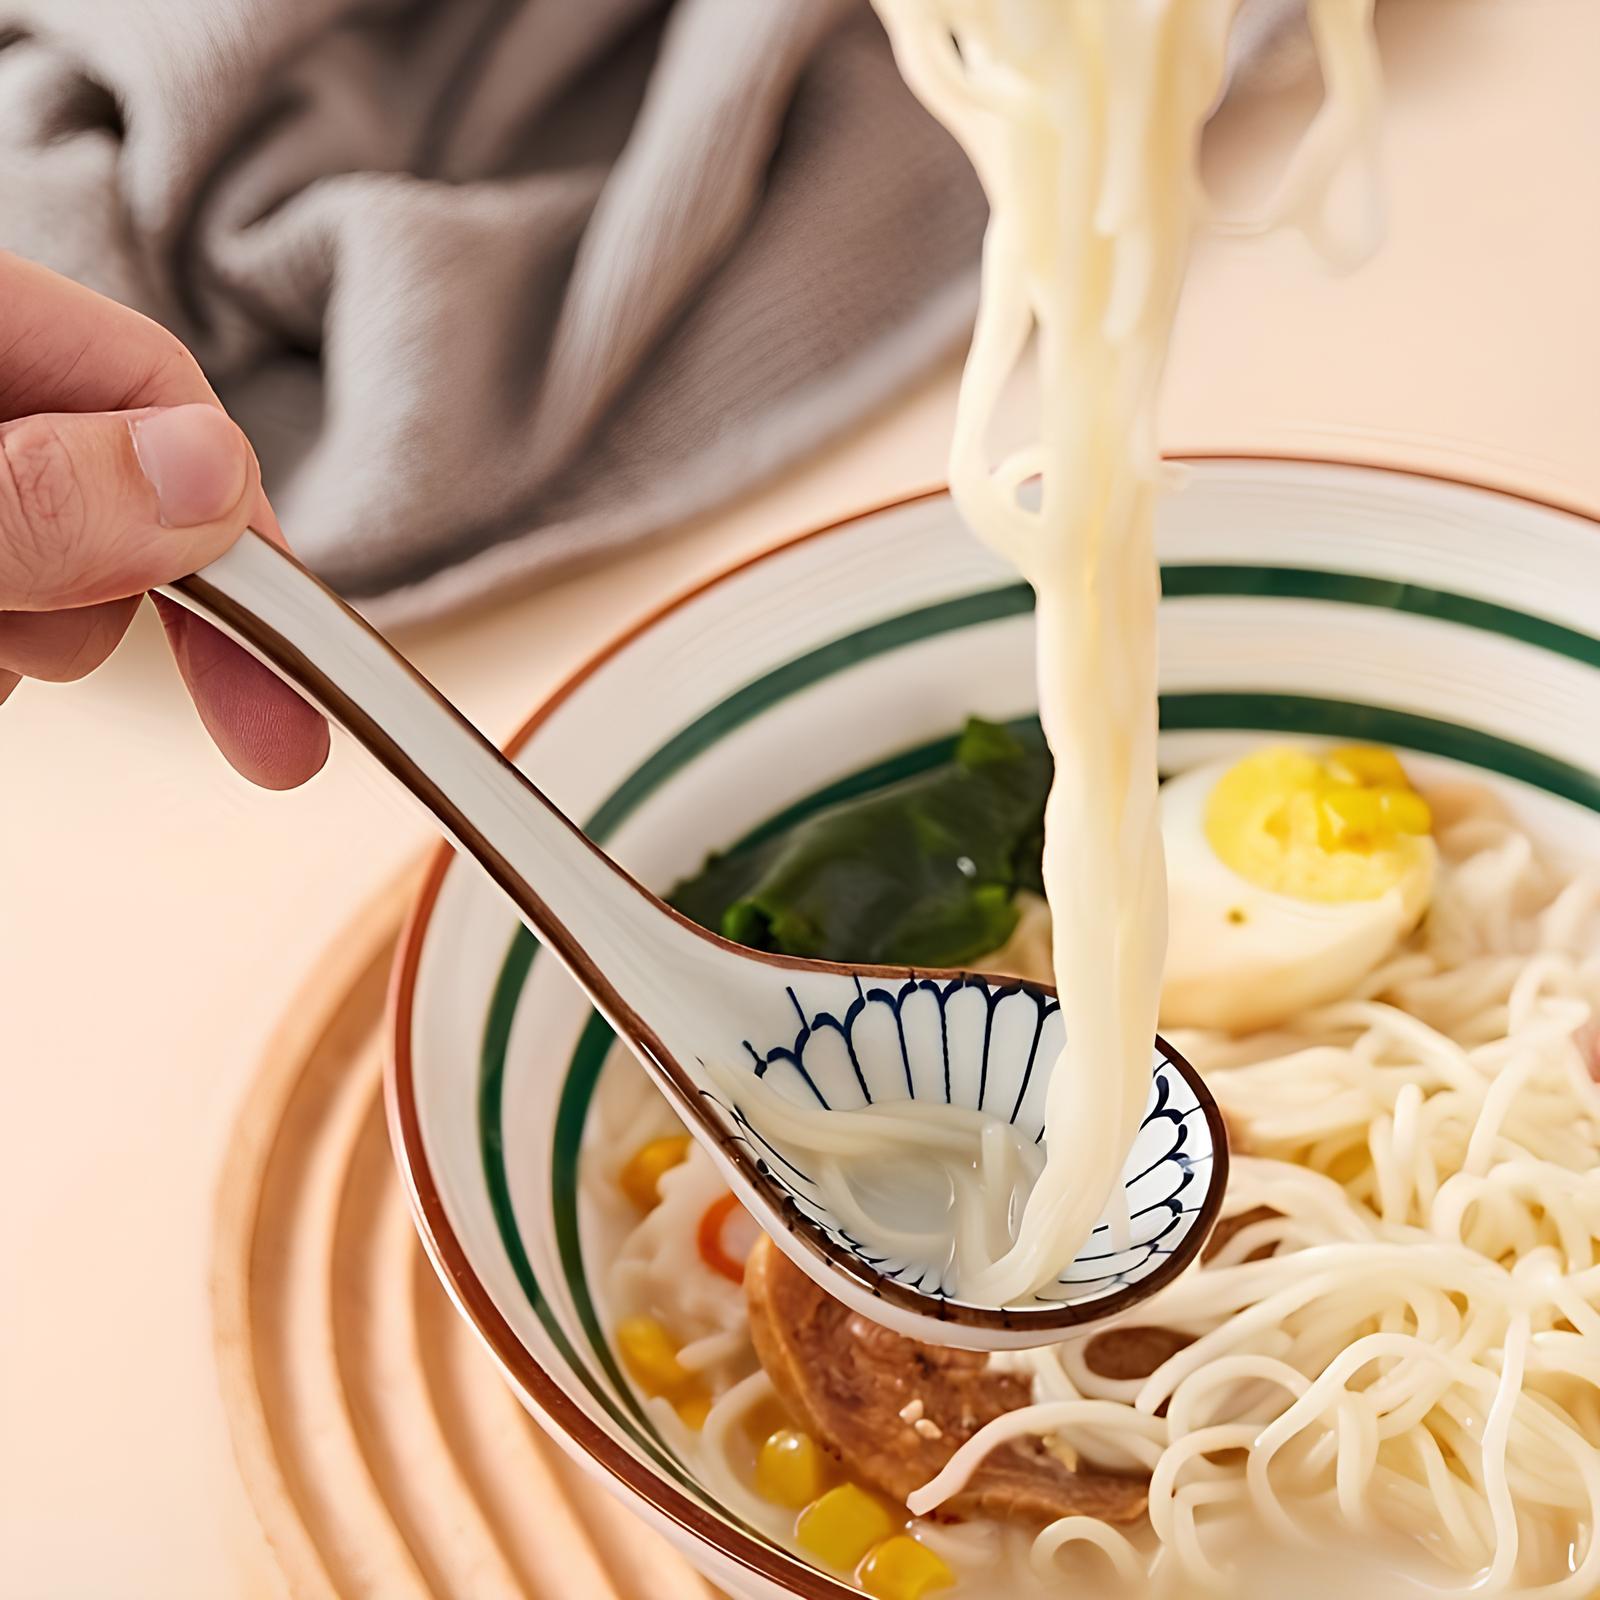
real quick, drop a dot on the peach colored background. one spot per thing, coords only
(155, 915)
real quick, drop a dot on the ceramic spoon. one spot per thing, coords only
(818, 1034)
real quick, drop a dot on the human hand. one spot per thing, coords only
(119, 471)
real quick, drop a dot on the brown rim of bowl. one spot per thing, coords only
(559, 1414)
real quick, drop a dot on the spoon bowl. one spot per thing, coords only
(707, 1017)
(844, 1038)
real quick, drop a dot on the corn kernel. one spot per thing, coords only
(640, 1178)
(1406, 810)
(1368, 766)
(764, 1419)
(693, 1409)
(841, 1526)
(902, 1569)
(1350, 819)
(789, 1468)
(651, 1357)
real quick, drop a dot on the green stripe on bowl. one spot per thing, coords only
(1218, 711)
(491, 1144)
(1383, 594)
(1311, 715)
(743, 705)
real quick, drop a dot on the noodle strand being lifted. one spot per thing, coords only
(1082, 118)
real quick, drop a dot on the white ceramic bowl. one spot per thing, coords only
(1316, 601)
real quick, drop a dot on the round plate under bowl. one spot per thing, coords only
(1313, 601)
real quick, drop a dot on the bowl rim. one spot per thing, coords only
(555, 1410)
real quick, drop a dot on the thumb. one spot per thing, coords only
(96, 507)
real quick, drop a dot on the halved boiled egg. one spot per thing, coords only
(1290, 876)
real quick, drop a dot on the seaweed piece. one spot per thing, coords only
(921, 873)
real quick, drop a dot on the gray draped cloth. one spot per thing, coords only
(498, 286)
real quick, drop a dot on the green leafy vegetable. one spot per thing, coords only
(922, 873)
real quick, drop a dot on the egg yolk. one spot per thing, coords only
(1344, 825)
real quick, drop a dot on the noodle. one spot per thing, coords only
(945, 1202)
(1082, 118)
(1416, 1350)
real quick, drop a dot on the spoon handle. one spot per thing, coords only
(590, 912)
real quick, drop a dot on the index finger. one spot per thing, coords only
(65, 348)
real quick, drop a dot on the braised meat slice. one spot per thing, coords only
(1227, 1227)
(1123, 1353)
(893, 1411)
(1136, 1352)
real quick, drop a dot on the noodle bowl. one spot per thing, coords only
(1362, 648)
